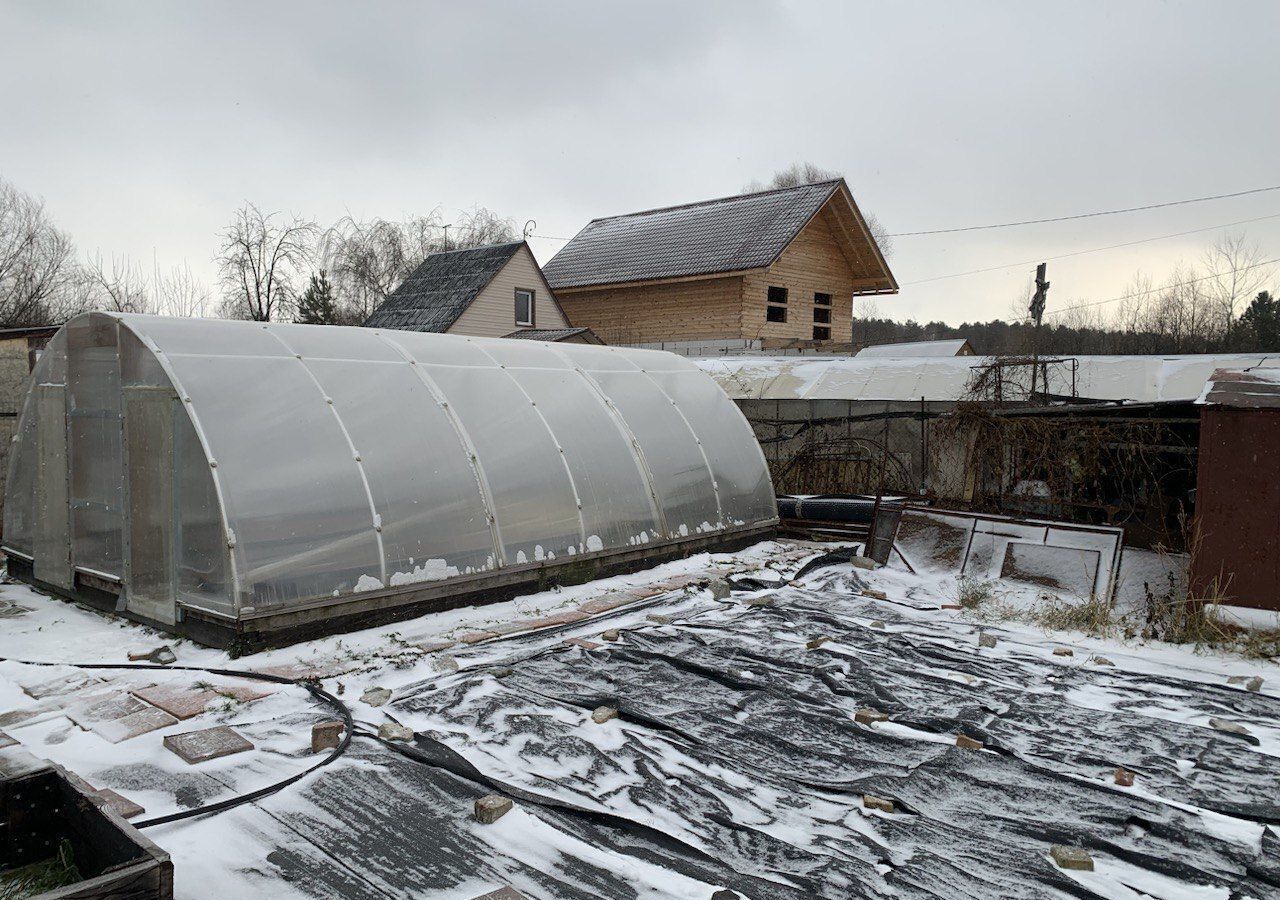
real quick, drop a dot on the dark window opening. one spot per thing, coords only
(821, 333)
(822, 314)
(777, 295)
(822, 299)
(524, 307)
(776, 314)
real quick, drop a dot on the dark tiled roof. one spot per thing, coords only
(545, 334)
(441, 288)
(725, 235)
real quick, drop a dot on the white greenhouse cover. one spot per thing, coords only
(345, 460)
(1139, 379)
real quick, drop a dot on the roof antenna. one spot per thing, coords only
(528, 228)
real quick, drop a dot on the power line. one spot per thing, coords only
(1032, 262)
(548, 237)
(1065, 309)
(1088, 215)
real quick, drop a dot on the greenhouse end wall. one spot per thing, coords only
(216, 476)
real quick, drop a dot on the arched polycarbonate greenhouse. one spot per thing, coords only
(238, 478)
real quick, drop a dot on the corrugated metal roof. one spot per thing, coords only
(916, 348)
(441, 288)
(1251, 388)
(545, 334)
(725, 235)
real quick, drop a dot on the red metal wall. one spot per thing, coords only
(1238, 505)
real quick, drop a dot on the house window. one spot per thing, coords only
(822, 299)
(822, 315)
(821, 333)
(524, 307)
(776, 311)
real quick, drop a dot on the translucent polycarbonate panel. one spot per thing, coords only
(94, 444)
(616, 505)
(297, 505)
(52, 525)
(202, 558)
(746, 491)
(20, 484)
(434, 522)
(174, 335)
(334, 343)
(532, 494)
(679, 470)
(598, 359)
(148, 441)
(139, 366)
(442, 349)
(525, 354)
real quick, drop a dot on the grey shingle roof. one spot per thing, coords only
(545, 334)
(725, 235)
(441, 288)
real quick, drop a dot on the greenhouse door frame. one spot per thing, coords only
(150, 502)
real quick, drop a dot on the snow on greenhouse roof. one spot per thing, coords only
(1120, 378)
(315, 463)
(918, 348)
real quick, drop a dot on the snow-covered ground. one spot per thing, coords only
(735, 760)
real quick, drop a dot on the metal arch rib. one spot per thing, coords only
(573, 484)
(375, 520)
(229, 539)
(615, 415)
(473, 458)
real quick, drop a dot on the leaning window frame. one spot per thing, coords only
(533, 302)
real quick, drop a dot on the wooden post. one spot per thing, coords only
(1037, 313)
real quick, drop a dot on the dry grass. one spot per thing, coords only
(1092, 616)
(973, 593)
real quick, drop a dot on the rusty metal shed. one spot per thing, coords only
(1238, 489)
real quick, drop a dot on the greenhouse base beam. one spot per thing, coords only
(353, 612)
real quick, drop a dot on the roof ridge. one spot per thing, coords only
(473, 249)
(657, 209)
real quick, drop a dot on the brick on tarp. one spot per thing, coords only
(874, 594)
(326, 735)
(968, 743)
(435, 646)
(881, 804)
(207, 743)
(986, 639)
(1076, 858)
(184, 701)
(120, 805)
(119, 717)
(492, 807)
(1124, 777)
(869, 716)
(602, 714)
(583, 643)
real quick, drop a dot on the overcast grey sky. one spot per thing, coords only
(145, 124)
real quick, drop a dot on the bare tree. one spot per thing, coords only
(118, 285)
(1237, 272)
(180, 293)
(800, 173)
(368, 260)
(37, 263)
(262, 257)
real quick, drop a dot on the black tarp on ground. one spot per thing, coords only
(736, 762)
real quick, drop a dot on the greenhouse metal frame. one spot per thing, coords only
(257, 482)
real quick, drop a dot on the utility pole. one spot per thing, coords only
(1037, 313)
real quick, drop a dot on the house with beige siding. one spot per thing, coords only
(768, 270)
(492, 291)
